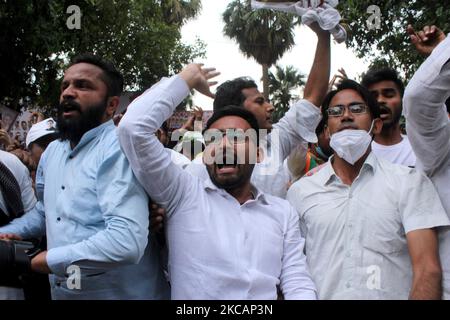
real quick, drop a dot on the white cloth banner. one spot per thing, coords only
(325, 15)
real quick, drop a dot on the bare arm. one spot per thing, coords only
(427, 274)
(317, 84)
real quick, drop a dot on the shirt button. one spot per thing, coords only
(70, 157)
(58, 219)
(348, 285)
(350, 225)
(62, 187)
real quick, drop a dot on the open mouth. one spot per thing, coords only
(227, 164)
(226, 168)
(384, 112)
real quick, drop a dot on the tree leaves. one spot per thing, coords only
(142, 37)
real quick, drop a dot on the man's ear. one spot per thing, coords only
(326, 133)
(112, 105)
(259, 155)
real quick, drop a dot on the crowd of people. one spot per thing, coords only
(333, 201)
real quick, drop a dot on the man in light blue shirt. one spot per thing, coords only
(94, 211)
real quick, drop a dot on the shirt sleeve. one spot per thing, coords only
(26, 187)
(427, 120)
(124, 207)
(296, 281)
(32, 223)
(419, 203)
(296, 127)
(165, 182)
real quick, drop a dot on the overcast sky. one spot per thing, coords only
(223, 53)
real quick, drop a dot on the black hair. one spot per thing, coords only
(321, 126)
(447, 103)
(237, 112)
(370, 101)
(111, 76)
(385, 74)
(230, 93)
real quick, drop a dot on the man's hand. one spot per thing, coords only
(198, 113)
(10, 236)
(198, 78)
(157, 215)
(426, 40)
(337, 79)
(39, 263)
(318, 30)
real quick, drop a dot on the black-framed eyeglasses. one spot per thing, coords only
(338, 111)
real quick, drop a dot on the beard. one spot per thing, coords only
(231, 182)
(74, 128)
(394, 120)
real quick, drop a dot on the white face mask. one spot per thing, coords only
(350, 144)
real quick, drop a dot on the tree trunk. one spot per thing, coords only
(265, 79)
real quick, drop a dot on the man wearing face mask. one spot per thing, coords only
(369, 224)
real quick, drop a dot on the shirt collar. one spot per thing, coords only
(90, 135)
(329, 175)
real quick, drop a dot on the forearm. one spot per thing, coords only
(426, 284)
(317, 84)
(30, 225)
(426, 116)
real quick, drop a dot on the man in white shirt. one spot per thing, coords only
(226, 239)
(10, 207)
(368, 224)
(297, 127)
(388, 89)
(428, 123)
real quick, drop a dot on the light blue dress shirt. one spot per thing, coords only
(96, 218)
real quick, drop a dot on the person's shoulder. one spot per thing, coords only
(9, 159)
(13, 163)
(397, 173)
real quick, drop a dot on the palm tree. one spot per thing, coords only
(179, 11)
(263, 34)
(282, 83)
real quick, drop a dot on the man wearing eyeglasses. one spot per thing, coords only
(226, 238)
(369, 225)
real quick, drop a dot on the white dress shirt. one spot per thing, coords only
(429, 132)
(356, 235)
(218, 249)
(295, 129)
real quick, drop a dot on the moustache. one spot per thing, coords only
(384, 109)
(69, 105)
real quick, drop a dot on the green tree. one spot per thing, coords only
(264, 35)
(282, 85)
(390, 43)
(139, 36)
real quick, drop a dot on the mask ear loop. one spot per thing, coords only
(371, 127)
